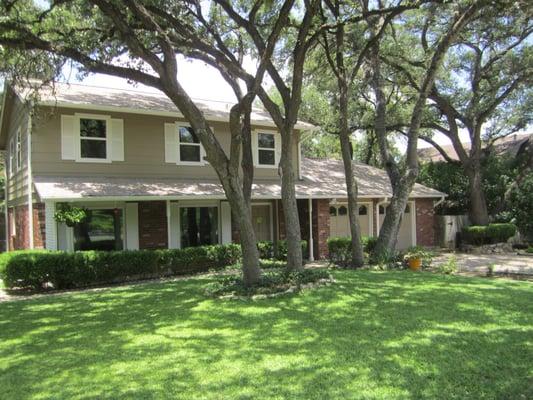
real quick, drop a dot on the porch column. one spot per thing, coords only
(310, 244)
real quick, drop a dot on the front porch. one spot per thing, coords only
(161, 224)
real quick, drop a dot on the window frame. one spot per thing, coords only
(199, 204)
(257, 148)
(78, 138)
(202, 161)
(18, 150)
(11, 170)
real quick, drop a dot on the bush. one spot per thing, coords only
(84, 268)
(340, 248)
(529, 250)
(267, 249)
(449, 267)
(493, 233)
(272, 282)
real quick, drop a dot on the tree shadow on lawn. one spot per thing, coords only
(371, 335)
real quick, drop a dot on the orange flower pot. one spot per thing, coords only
(415, 264)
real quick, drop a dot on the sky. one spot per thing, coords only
(204, 82)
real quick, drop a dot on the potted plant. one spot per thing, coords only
(415, 256)
(71, 215)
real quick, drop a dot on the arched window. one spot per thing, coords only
(333, 211)
(381, 210)
(343, 210)
(363, 210)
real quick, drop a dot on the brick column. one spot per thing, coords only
(321, 227)
(425, 222)
(153, 225)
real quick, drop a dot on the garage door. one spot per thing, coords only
(339, 225)
(405, 236)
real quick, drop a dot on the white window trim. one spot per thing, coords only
(13, 222)
(199, 144)
(277, 143)
(18, 150)
(78, 138)
(122, 207)
(11, 157)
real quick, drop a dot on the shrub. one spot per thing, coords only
(84, 268)
(268, 250)
(271, 282)
(340, 248)
(529, 250)
(493, 233)
(449, 267)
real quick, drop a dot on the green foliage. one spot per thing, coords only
(85, 268)
(268, 250)
(449, 179)
(521, 204)
(71, 215)
(272, 282)
(449, 267)
(530, 250)
(493, 233)
(339, 249)
(419, 252)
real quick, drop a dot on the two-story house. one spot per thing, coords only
(132, 160)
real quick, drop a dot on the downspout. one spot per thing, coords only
(310, 245)
(6, 214)
(30, 179)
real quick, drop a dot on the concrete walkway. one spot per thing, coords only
(478, 264)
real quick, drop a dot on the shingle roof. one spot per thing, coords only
(136, 101)
(321, 179)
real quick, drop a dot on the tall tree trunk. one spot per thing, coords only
(351, 182)
(241, 210)
(290, 206)
(478, 211)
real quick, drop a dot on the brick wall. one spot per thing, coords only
(425, 222)
(20, 239)
(153, 225)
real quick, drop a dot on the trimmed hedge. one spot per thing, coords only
(267, 249)
(340, 248)
(65, 270)
(489, 234)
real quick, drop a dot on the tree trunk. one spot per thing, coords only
(290, 207)
(478, 211)
(351, 182)
(242, 214)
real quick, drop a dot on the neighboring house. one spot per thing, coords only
(511, 145)
(132, 160)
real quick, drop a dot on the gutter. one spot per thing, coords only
(30, 178)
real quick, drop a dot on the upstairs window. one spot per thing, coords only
(266, 149)
(12, 157)
(18, 147)
(93, 138)
(190, 150)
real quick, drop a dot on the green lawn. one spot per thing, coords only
(372, 335)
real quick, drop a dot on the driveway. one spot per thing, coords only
(478, 264)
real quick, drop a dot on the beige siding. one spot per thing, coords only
(144, 149)
(18, 117)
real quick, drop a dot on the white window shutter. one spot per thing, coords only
(132, 226)
(117, 139)
(68, 137)
(171, 143)
(254, 148)
(277, 146)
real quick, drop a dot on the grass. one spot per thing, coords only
(372, 335)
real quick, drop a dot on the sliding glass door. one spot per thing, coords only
(198, 226)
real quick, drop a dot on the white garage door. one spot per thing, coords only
(339, 225)
(405, 236)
